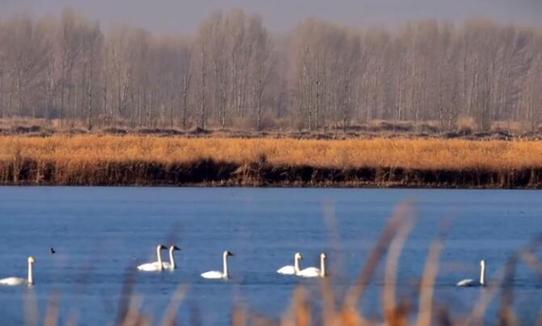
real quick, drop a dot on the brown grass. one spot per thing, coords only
(93, 159)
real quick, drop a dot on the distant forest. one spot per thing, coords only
(234, 73)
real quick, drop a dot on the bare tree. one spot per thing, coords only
(234, 73)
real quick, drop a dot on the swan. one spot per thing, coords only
(471, 282)
(310, 272)
(156, 266)
(171, 265)
(292, 270)
(16, 281)
(216, 275)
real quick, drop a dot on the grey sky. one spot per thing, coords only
(184, 15)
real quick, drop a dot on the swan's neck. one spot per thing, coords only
(297, 268)
(171, 259)
(322, 266)
(483, 274)
(30, 275)
(159, 257)
(225, 261)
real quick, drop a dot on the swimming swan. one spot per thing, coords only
(310, 272)
(156, 266)
(292, 270)
(216, 275)
(171, 265)
(471, 282)
(16, 281)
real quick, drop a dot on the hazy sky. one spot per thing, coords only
(184, 15)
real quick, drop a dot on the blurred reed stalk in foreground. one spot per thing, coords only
(346, 310)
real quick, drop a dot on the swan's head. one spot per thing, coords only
(228, 253)
(161, 247)
(31, 260)
(482, 263)
(298, 255)
(174, 248)
(323, 255)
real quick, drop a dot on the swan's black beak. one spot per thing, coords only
(176, 248)
(230, 253)
(163, 247)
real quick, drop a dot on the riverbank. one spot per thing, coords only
(370, 130)
(179, 161)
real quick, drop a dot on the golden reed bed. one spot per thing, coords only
(174, 160)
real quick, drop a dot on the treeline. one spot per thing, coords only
(233, 73)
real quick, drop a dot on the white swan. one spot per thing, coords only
(215, 275)
(292, 270)
(16, 281)
(471, 282)
(171, 265)
(156, 266)
(310, 272)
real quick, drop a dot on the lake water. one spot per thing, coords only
(101, 234)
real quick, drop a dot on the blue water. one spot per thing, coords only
(101, 234)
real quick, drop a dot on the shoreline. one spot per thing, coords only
(216, 174)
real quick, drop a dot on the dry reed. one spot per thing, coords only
(346, 310)
(173, 160)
